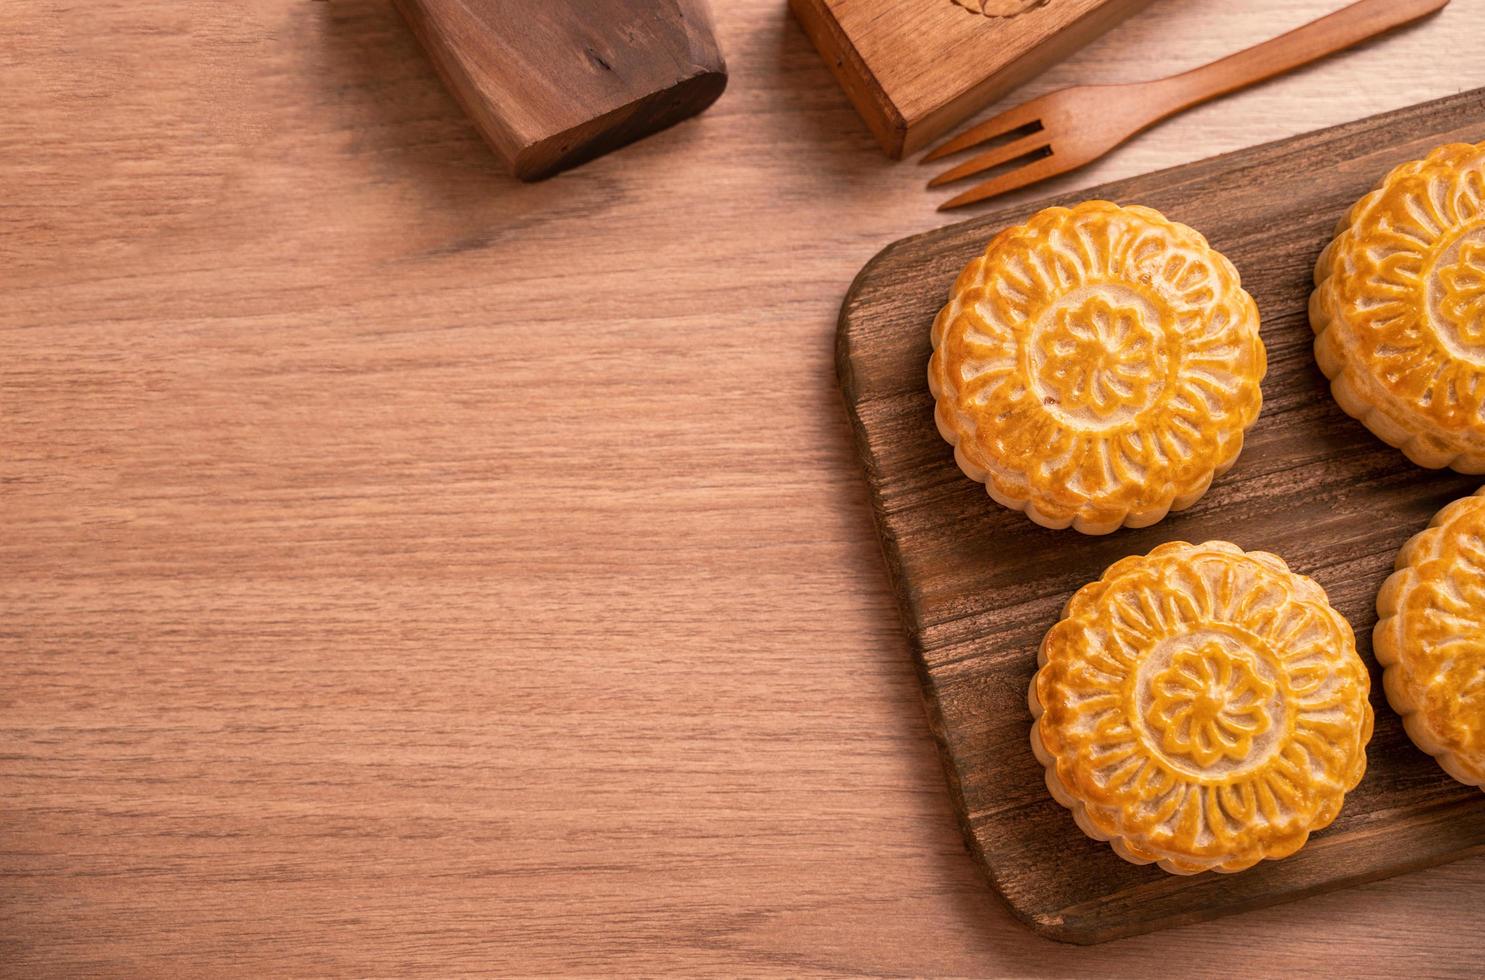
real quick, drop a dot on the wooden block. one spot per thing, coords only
(914, 68)
(552, 83)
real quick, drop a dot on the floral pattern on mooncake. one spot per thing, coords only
(1201, 707)
(1399, 309)
(1097, 367)
(1431, 638)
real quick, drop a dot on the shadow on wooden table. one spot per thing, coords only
(843, 146)
(402, 120)
(384, 99)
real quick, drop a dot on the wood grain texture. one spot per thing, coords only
(914, 68)
(409, 571)
(980, 584)
(1074, 126)
(554, 83)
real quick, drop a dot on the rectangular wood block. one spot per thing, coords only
(914, 68)
(979, 584)
(553, 83)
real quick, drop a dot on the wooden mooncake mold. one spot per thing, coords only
(1097, 367)
(1399, 309)
(1431, 638)
(1201, 707)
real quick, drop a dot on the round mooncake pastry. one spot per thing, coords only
(1399, 309)
(1097, 367)
(1202, 707)
(1431, 638)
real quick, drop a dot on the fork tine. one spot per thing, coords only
(1013, 118)
(1004, 153)
(1011, 180)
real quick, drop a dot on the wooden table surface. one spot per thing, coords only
(406, 571)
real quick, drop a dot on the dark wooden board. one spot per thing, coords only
(978, 585)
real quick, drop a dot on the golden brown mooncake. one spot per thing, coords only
(1097, 367)
(1431, 638)
(1399, 309)
(1201, 707)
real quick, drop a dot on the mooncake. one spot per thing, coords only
(1399, 309)
(1201, 707)
(1097, 367)
(1431, 639)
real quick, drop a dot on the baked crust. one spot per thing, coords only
(1430, 637)
(1097, 367)
(1399, 309)
(1201, 707)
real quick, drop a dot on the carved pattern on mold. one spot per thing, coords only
(1000, 8)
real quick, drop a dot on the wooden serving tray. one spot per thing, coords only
(978, 584)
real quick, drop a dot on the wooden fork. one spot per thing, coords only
(1064, 130)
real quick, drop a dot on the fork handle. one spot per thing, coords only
(1331, 33)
